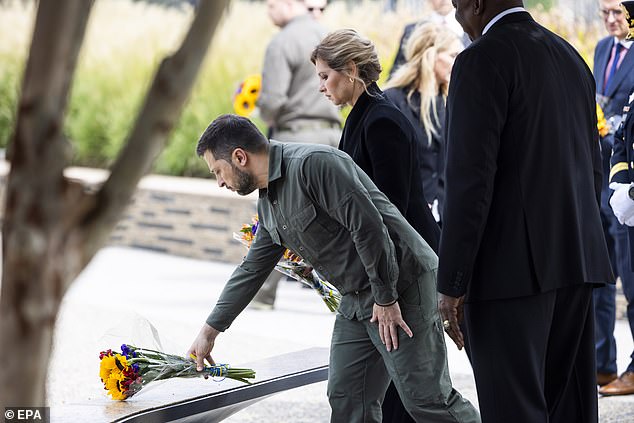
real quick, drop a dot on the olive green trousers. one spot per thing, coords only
(361, 367)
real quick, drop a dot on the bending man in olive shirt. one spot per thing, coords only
(387, 325)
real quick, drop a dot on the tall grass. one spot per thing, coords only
(126, 40)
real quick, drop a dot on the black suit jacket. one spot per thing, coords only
(431, 150)
(523, 174)
(383, 143)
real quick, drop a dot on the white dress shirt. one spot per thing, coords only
(500, 16)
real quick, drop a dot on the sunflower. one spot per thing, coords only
(247, 95)
(602, 124)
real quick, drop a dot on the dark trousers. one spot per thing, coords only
(393, 409)
(605, 297)
(619, 248)
(533, 357)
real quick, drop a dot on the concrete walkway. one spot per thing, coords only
(125, 292)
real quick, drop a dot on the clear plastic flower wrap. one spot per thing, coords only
(292, 265)
(125, 373)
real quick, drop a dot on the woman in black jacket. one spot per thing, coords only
(377, 136)
(419, 89)
(380, 139)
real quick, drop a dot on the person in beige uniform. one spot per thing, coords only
(290, 102)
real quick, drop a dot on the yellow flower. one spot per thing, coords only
(288, 253)
(123, 361)
(113, 385)
(247, 95)
(119, 396)
(111, 374)
(106, 366)
(602, 124)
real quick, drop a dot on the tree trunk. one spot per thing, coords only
(33, 257)
(52, 228)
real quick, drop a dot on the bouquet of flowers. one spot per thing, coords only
(292, 265)
(247, 95)
(126, 373)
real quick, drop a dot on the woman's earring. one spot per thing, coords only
(350, 79)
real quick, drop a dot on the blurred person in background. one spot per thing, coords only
(419, 90)
(381, 141)
(614, 76)
(442, 13)
(289, 101)
(316, 7)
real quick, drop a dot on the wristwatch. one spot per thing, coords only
(630, 192)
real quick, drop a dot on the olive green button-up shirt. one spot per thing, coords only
(321, 205)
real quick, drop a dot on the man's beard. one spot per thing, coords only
(245, 182)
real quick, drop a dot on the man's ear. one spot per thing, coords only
(239, 157)
(478, 7)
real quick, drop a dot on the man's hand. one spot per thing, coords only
(389, 319)
(450, 309)
(621, 203)
(297, 258)
(202, 346)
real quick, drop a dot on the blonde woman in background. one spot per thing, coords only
(419, 90)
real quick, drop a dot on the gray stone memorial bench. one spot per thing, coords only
(200, 400)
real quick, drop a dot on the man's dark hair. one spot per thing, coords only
(228, 132)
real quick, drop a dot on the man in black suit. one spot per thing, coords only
(522, 244)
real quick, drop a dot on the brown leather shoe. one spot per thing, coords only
(605, 378)
(624, 385)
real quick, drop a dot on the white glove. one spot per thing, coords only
(621, 203)
(629, 222)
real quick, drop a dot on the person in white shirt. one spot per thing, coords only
(442, 13)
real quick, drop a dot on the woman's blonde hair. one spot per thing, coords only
(417, 73)
(341, 47)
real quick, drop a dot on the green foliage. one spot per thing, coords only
(9, 89)
(546, 4)
(103, 104)
(126, 41)
(211, 96)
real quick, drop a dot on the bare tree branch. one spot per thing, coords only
(169, 91)
(57, 38)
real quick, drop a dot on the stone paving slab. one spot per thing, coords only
(123, 289)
